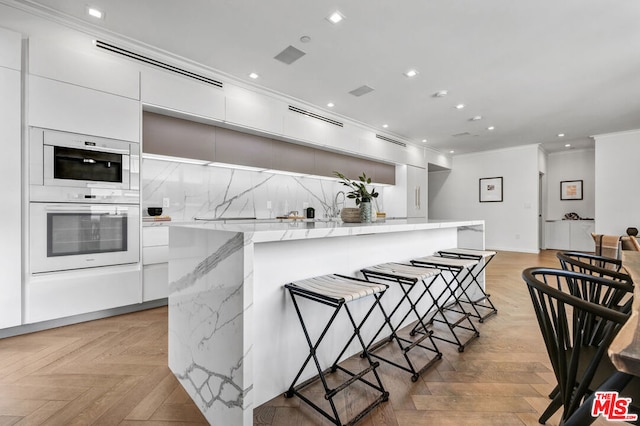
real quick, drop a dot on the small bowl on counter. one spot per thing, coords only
(154, 211)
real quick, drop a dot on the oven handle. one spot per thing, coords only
(116, 210)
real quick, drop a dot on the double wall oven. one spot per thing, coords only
(84, 201)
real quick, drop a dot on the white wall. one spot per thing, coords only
(509, 225)
(571, 165)
(617, 173)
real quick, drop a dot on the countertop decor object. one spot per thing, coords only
(350, 215)
(359, 191)
(154, 211)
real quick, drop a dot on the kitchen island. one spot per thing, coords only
(235, 341)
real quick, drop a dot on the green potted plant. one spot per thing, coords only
(360, 193)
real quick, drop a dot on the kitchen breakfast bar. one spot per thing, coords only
(235, 341)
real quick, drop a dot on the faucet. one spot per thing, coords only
(336, 210)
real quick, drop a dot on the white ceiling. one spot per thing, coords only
(532, 69)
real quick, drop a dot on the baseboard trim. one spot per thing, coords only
(75, 319)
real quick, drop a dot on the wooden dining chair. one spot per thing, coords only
(578, 320)
(604, 267)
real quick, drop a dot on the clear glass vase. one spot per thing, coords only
(365, 211)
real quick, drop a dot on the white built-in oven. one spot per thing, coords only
(69, 167)
(65, 236)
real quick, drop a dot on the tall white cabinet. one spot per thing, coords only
(10, 172)
(416, 192)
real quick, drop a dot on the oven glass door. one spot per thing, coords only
(86, 233)
(85, 165)
(69, 236)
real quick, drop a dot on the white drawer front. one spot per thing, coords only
(152, 255)
(155, 282)
(155, 236)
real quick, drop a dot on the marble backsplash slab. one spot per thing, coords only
(218, 192)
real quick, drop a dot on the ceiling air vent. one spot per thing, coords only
(316, 116)
(457, 135)
(362, 90)
(384, 138)
(156, 63)
(289, 55)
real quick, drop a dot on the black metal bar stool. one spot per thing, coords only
(448, 300)
(407, 276)
(336, 291)
(483, 302)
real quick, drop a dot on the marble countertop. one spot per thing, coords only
(297, 230)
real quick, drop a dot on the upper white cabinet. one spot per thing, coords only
(10, 49)
(304, 128)
(84, 66)
(10, 208)
(415, 156)
(174, 92)
(345, 138)
(62, 106)
(416, 192)
(254, 110)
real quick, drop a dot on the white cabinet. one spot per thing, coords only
(63, 106)
(569, 235)
(155, 258)
(11, 207)
(416, 192)
(254, 110)
(304, 128)
(10, 49)
(64, 294)
(174, 92)
(581, 239)
(82, 64)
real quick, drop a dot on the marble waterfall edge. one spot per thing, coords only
(210, 299)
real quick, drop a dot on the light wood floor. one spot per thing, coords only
(114, 371)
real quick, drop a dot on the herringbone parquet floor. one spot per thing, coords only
(114, 372)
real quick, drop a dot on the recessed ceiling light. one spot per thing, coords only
(335, 17)
(305, 39)
(440, 94)
(491, 128)
(567, 145)
(96, 13)
(331, 105)
(424, 141)
(459, 106)
(452, 152)
(561, 135)
(253, 75)
(411, 73)
(476, 118)
(385, 125)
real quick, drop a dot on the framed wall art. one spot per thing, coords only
(491, 190)
(571, 190)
